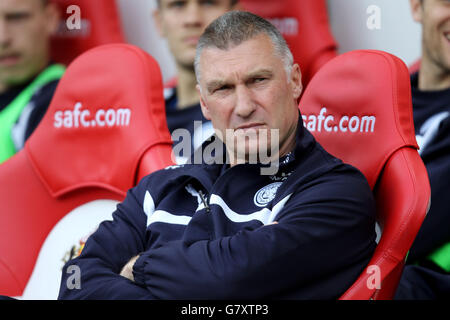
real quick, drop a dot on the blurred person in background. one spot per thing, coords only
(181, 23)
(28, 79)
(427, 274)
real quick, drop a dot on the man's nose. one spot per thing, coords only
(193, 15)
(245, 104)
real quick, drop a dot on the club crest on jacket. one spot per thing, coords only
(266, 194)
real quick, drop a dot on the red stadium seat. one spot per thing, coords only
(105, 129)
(99, 24)
(304, 24)
(415, 66)
(358, 107)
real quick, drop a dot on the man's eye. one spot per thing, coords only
(258, 80)
(222, 88)
(16, 17)
(177, 4)
(208, 2)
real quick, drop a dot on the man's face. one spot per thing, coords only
(248, 89)
(25, 28)
(434, 15)
(182, 22)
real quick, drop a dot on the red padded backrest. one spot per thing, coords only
(304, 24)
(371, 90)
(104, 130)
(100, 24)
(117, 90)
(358, 107)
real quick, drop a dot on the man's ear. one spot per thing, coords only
(296, 81)
(203, 105)
(416, 10)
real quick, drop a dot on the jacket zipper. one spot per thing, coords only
(205, 202)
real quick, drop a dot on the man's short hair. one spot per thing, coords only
(233, 2)
(235, 27)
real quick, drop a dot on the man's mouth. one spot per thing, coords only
(191, 40)
(9, 59)
(251, 126)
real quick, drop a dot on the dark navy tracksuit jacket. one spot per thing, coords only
(205, 232)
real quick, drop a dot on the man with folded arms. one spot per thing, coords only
(226, 228)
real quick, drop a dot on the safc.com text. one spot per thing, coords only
(82, 118)
(330, 123)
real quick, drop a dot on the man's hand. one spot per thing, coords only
(127, 270)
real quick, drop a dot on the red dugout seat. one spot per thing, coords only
(415, 66)
(104, 130)
(304, 24)
(99, 24)
(358, 107)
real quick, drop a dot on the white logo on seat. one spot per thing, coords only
(44, 283)
(82, 118)
(288, 26)
(345, 123)
(266, 194)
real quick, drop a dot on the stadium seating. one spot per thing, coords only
(358, 106)
(105, 129)
(305, 26)
(98, 24)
